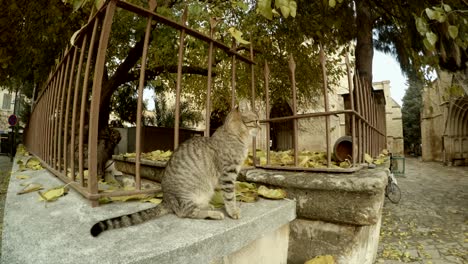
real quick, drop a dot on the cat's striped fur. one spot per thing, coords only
(195, 169)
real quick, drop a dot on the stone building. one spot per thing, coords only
(7, 101)
(393, 119)
(444, 119)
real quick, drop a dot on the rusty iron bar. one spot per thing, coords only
(330, 113)
(267, 111)
(368, 132)
(56, 116)
(252, 102)
(141, 85)
(360, 130)
(179, 80)
(67, 111)
(292, 69)
(62, 106)
(84, 99)
(157, 17)
(213, 23)
(50, 111)
(233, 76)
(96, 95)
(75, 108)
(353, 117)
(326, 106)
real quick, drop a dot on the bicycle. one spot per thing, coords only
(392, 191)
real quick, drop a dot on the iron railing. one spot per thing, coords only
(54, 123)
(60, 118)
(366, 120)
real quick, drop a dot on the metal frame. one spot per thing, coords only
(52, 138)
(49, 127)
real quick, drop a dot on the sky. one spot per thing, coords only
(385, 67)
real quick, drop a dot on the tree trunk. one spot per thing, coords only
(364, 43)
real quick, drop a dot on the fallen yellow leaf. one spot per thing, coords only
(327, 259)
(271, 193)
(22, 177)
(53, 194)
(32, 187)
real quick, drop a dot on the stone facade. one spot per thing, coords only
(394, 120)
(444, 124)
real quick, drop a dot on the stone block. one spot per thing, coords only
(149, 169)
(349, 198)
(60, 231)
(349, 244)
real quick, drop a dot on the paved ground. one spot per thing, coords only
(5, 168)
(430, 224)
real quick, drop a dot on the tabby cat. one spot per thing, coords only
(195, 169)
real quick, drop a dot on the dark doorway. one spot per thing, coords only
(281, 133)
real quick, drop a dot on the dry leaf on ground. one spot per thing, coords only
(53, 194)
(32, 187)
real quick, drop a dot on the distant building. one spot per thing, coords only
(444, 119)
(7, 102)
(394, 120)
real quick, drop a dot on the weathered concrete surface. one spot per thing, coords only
(149, 169)
(58, 232)
(354, 198)
(271, 248)
(430, 224)
(349, 244)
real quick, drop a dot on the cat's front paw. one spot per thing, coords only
(234, 213)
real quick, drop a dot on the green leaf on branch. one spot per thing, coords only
(431, 37)
(237, 35)
(286, 7)
(428, 45)
(421, 25)
(447, 8)
(453, 31)
(264, 9)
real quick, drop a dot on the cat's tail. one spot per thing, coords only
(130, 219)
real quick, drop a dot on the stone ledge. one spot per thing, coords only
(59, 231)
(354, 198)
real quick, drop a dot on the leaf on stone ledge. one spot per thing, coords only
(326, 259)
(368, 158)
(23, 177)
(53, 194)
(151, 200)
(271, 193)
(34, 164)
(32, 187)
(247, 197)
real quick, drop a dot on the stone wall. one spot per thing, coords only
(394, 120)
(444, 127)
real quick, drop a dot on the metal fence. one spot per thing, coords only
(365, 118)
(61, 120)
(60, 117)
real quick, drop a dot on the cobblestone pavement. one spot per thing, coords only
(430, 224)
